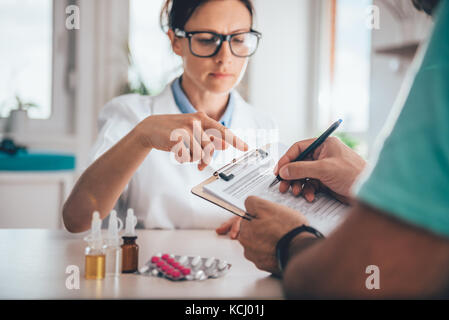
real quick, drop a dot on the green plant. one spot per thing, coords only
(18, 104)
(348, 140)
(24, 105)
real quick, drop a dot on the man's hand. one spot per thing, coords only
(333, 167)
(232, 226)
(259, 236)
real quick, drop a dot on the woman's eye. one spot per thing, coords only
(207, 40)
(239, 39)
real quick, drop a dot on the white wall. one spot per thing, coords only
(101, 65)
(281, 79)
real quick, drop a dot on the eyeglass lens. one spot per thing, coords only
(205, 44)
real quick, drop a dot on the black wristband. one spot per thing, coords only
(283, 244)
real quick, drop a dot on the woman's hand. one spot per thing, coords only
(232, 226)
(191, 137)
(333, 167)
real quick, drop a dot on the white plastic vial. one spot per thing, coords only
(113, 250)
(113, 261)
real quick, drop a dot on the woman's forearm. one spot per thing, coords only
(100, 186)
(102, 183)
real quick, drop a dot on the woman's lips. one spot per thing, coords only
(220, 75)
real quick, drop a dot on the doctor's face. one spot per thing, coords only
(222, 72)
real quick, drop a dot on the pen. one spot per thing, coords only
(312, 147)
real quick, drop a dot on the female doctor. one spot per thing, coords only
(143, 140)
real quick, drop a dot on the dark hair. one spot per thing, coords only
(176, 13)
(428, 6)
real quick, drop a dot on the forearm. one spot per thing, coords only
(297, 247)
(330, 268)
(297, 280)
(101, 184)
(411, 262)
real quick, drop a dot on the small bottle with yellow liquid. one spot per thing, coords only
(95, 254)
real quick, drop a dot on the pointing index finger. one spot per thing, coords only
(227, 136)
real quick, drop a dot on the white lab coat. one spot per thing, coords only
(159, 192)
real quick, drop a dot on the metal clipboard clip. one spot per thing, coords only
(226, 172)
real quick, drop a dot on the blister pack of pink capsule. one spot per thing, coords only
(178, 268)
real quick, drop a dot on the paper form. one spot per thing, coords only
(254, 178)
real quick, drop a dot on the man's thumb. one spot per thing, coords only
(301, 170)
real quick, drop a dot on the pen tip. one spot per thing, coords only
(340, 121)
(274, 183)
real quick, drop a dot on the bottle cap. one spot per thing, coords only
(131, 222)
(114, 227)
(95, 239)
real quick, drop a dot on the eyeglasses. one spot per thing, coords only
(205, 44)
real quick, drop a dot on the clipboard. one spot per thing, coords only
(225, 173)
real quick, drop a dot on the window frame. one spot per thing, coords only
(60, 124)
(323, 62)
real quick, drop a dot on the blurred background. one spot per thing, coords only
(319, 60)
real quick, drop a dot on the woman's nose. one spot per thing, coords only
(224, 55)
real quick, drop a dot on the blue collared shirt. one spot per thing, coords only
(185, 106)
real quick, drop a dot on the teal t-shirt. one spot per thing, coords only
(410, 178)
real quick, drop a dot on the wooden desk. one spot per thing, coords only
(34, 261)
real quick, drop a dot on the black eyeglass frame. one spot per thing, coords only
(223, 37)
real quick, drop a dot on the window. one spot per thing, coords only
(345, 66)
(26, 29)
(37, 60)
(153, 64)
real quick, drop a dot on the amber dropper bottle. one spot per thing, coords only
(130, 249)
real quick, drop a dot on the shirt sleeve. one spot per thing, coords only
(116, 119)
(410, 178)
